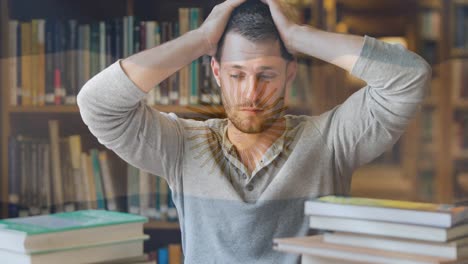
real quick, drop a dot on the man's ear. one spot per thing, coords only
(215, 68)
(291, 71)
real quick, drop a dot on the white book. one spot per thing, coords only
(332, 253)
(454, 249)
(81, 254)
(425, 233)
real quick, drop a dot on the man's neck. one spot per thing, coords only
(252, 147)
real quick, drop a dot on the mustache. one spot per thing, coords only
(248, 104)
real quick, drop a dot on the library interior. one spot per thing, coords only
(67, 197)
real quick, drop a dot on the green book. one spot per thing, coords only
(68, 229)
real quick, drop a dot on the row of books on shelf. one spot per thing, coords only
(460, 39)
(85, 236)
(54, 174)
(364, 230)
(50, 60)
(170, 254)
(459, 79)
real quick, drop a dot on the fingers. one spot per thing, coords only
(233, 3)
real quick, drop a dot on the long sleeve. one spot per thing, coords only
(111, 106)
(371, 120)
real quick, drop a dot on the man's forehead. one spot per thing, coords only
(235, 65)
(238, 48)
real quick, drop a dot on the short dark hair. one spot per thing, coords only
(252, 20)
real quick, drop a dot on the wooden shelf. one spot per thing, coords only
(44, 109)
(153, 224)
(177, 109)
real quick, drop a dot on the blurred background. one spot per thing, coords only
(50, 162)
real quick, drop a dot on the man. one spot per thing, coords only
(240, 182)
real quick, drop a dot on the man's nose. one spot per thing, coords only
(252, 89)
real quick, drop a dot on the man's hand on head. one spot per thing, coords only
(214, 25)
(283, 17)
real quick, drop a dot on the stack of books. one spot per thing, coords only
(364, 230)
(88, 236)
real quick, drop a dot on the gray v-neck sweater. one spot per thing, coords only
(226, 217)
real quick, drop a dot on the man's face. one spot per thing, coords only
(253, 78)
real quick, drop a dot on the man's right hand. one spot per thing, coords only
(214, 25)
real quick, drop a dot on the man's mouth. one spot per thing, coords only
(252, 110)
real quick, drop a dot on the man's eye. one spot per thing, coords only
(266, 76)
(236, 76)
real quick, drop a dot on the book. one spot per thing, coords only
(175, 253)
(315, 246)
(142, 259)
(64, 230)
(426, 233)
(58, 195)
(114, 250)
(454, 249)
(437, 215)
(98, 181)
(163, 255)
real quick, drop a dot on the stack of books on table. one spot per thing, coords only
(89, 236)
(363, 230)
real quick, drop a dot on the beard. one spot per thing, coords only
(253, 123)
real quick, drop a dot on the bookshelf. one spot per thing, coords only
(391, 175)
(433, 157)
(423, 163)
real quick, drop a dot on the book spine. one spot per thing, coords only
(49, 63)
(102, 46)
(34, 61)
(41, 61)
(58, 198)
(13, 178)
(19, 84)
(184, 72)
(26, 63)
(108, 179)
(194, 69)
(71, 64)
(133, 189)
(109, 42)
(58, 70)
(46, 183)
(12, 61)
(98, 179)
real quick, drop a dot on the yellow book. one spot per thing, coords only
(26, 64)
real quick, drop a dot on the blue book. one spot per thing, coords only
(163, 256)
